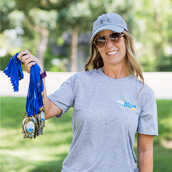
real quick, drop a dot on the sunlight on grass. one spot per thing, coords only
(10, 137)
(167, 122)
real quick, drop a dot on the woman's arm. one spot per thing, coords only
(49, 107)
(145, 152)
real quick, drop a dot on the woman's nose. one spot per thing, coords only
(109, 43)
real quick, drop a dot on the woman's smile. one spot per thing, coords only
(112, 53)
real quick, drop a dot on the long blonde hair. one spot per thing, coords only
(95, 61)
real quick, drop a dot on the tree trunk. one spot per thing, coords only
(74, 49)
(42, 46)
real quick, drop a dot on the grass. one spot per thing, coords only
(47, 152)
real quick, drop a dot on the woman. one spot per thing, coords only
(111, 104)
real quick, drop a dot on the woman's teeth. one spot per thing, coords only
(112, 53)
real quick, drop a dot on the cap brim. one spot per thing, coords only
(107, 27)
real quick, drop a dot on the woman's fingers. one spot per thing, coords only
(25, 58)
(22, 54)
(28, 66)
(29, 60)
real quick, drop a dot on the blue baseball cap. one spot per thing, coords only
(109, 21)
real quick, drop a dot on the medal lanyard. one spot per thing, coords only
(34, 102)
(14, 72)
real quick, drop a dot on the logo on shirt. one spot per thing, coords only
(126, 104)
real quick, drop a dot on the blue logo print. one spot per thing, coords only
(127, 104)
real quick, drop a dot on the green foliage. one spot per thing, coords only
(6, 6)
(153, 20)
(164, 63)
(147, 63)
(57, 69)
(148, 21)
(4, 61)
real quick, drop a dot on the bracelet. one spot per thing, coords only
(43, 74)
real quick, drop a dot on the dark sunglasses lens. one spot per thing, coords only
(100, 42)
(115, 36)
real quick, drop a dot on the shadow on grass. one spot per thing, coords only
(50, 166)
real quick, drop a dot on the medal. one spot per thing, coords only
(34, 119)
(41, 119)
(29, 127)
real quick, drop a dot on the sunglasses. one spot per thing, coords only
(102, 40)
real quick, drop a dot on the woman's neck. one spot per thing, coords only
(116, 71)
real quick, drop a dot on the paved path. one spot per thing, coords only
(160, 82)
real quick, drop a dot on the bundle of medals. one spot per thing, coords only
(33, 126)
(34, 119)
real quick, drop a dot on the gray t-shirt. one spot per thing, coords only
(107, 114)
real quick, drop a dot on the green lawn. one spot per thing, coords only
(47, 152)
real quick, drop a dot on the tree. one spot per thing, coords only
(153, 19)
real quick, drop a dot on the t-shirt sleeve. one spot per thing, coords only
(64, 96)
(148, 122)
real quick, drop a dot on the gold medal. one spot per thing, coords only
(28, 127)
(33, 126)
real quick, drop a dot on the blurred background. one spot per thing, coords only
(58, 32)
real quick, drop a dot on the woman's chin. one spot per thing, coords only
(114, 62)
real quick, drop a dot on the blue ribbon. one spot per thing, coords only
(34, 101)
(14, 72)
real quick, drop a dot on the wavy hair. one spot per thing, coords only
(95, 61)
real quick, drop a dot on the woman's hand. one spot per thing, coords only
(29, 60)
